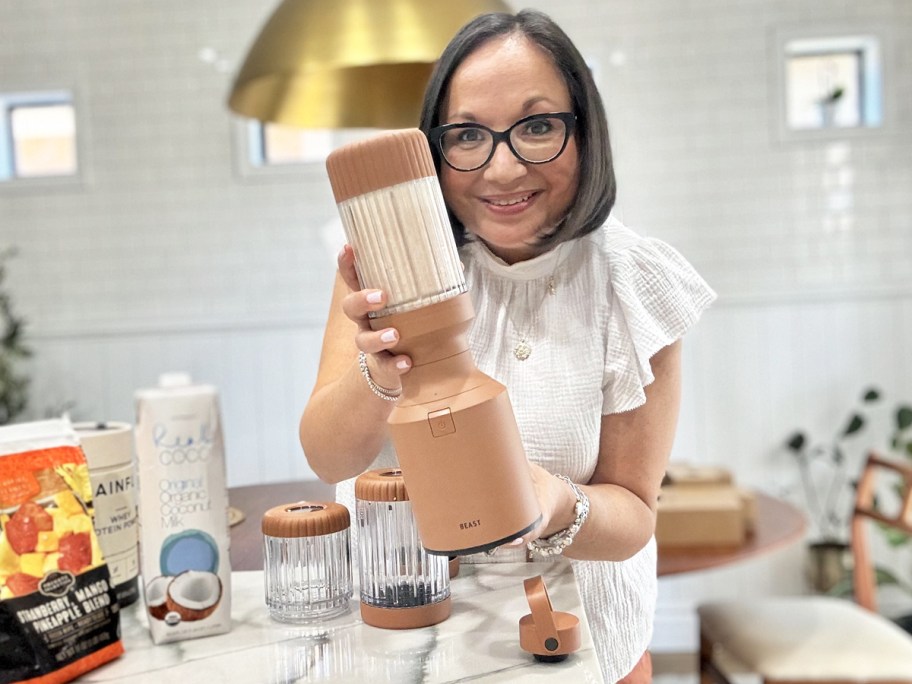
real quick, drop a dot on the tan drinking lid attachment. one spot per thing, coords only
(548, 635)
(305, 519)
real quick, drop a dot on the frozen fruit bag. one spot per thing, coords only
(59, 616)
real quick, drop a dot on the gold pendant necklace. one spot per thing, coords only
(523, 349)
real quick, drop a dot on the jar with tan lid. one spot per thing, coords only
(307, 561)
(402, 586)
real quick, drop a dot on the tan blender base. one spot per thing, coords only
(406, 618)
(456, 437)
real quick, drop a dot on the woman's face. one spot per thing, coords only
(509, 203)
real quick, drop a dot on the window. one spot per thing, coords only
(275, 145)
(833, 83)
(829, 85)
(37, 135)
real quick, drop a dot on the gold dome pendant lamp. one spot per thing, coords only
(348, 63)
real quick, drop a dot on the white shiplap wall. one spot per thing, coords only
(167, 257)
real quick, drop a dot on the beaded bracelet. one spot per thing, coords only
(557, 542)
(382, 392)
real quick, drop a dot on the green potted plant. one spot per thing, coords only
(828, 104)
(13, 383)
(828, 470)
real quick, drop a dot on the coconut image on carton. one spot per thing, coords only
(190, 590)
(192, 595)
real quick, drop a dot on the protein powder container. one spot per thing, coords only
(108, 449)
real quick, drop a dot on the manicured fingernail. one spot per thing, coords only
(516, 542)
(388, 336)
(402, 364)
(341, 253)
(374, 297)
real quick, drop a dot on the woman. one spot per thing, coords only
(579, 317)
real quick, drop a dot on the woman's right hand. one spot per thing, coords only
(385, 366)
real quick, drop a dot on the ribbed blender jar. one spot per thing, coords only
(402, 586)
(307, 561)
(396, 220)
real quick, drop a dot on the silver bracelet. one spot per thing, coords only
(557, 542)
(382, 392)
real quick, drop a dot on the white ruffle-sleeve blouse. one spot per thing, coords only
(593, 311)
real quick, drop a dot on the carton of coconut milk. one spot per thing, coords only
(183, 510)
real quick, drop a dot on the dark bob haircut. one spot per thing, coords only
(597, 186)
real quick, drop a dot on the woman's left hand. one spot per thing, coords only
(556, 500)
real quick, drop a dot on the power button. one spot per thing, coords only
(441, 422)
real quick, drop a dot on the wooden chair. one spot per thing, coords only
(819, 639)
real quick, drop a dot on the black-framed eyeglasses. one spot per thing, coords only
(536, 139)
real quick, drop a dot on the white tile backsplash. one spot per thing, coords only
(163, 231)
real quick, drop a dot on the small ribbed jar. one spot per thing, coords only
(307, 561)
(402, 586)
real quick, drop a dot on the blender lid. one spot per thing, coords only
(384, 484)
(305, 519)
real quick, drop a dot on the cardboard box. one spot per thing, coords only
(701, 516)
(749, 506)
(685, 474)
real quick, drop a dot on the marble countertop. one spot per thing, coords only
(479, 642)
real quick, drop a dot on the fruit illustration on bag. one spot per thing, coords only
(21, 584)
(75, 551)
(25, 524)
(38, 537)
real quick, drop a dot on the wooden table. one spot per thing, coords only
(778, 524)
